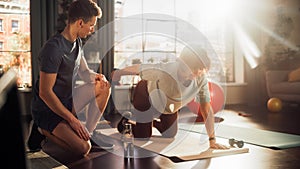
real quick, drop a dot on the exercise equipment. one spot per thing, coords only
(217, 99)
(274, 104)
(239, 143)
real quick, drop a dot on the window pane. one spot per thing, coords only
(127, 38)
(162, 42)
(159, 43)
(125, 8)
(15, 37)
(14, 24)
(166, 7)
(129, 45)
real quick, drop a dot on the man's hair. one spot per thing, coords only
(83, 9)
(195, 57)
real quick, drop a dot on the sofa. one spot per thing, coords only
(284, 84)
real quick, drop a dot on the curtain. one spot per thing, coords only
(106, 36)
(43, 18)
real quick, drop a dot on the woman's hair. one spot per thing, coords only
(83, 9)
(195, 57)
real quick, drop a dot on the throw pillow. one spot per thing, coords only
(294, 76)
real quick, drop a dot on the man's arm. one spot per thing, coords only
(47, 81)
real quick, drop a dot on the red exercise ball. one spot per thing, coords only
(217, 99)
(274, 104)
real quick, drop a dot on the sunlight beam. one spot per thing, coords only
(248, 46)
(282, 40)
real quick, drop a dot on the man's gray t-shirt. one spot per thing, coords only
(62, 57)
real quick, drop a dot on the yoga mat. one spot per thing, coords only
(264, 138)
(185, 145)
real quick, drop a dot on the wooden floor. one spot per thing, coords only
(244, 116)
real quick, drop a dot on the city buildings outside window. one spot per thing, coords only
(15, 50)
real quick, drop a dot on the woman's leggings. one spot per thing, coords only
(144, 112)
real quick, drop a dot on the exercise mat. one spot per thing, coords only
(259, 137)
(184, 146)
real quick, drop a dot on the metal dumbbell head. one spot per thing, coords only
(239, 143)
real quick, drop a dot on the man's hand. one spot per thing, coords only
(80, 129)
(102, 84)
(100, 77)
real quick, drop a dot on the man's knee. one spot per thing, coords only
(83, 149)
(107, 92)
(104, 92)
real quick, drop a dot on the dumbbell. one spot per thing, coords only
(239, 143)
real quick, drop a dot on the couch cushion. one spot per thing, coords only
(294, 76)
(286, 88)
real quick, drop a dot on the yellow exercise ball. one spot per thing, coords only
(274, 104)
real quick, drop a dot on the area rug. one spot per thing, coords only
(259, 137)
(41, 160)
(185, 146)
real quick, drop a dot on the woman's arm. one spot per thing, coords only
(208, 116)
(207, 112)
(129, 70)
(85, 73)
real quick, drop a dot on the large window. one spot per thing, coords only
(211, 19)
(15, 39)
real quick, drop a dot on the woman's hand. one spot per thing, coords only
(213, 144)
